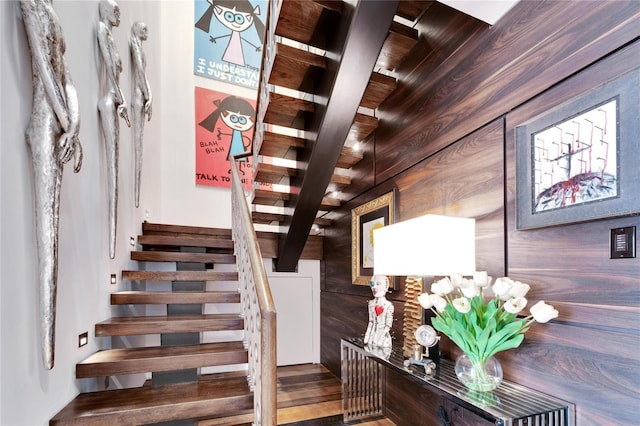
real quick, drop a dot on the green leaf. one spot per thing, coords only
(467, 342)
(509, 344)
(483, 339)
(508, 332)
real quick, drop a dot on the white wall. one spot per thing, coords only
(297, 299)
(30, 394)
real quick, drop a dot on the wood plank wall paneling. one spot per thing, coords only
(533, 47)
(596, 355)
(464, 180)
(430, 149)
(575, 258)
(435, 186)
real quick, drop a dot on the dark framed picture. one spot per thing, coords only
(579, 161)
(364, 219)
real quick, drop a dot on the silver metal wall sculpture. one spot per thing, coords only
(142, 97)
(110, 107)
(52, 137)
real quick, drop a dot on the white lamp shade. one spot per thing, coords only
(430, 245)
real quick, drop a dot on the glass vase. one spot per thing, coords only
(479, 376)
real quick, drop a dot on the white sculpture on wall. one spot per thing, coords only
(380, 314)
(111, 106)
(142, 97)
(52, 137)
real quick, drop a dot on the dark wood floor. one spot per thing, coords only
(308, 395)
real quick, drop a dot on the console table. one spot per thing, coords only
(363, 388)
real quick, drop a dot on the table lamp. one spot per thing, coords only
(426, 246)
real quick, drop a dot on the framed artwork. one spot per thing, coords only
(224, 131)
(364, 219)
(578, 162)
(228, 39)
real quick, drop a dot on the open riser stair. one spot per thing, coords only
(182, 389)
(304, 45)
(190, 275)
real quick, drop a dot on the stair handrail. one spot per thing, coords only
(257, 307)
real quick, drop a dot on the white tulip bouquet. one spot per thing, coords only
(482, 328)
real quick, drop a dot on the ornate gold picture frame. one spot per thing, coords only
(364, 219)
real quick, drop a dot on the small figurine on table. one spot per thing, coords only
(380, 314)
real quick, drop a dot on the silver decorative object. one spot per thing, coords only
(380, 314)
(110, 106)
(142, 96)
(52, 137)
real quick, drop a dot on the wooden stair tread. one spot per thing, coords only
(183, 256)
(150, 404)
(288, 111)
(363, 125)
(412, 9)
(378, 89)
(149, 228)
(113, 362)
(300, 20)
(210, 275)
(399, 42)
(322, 221)
(277, 145)
(340, 179)
(185, 241)
(272, 173)
(167, 297)
(128, 326)
(296, 69)
(349, 157)
(267, 194)
(305, 392)
(293, 112)
(299, 70)
(329, 203)
(267, 218)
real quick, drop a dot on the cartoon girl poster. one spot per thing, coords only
(229, 38)
(224, 129)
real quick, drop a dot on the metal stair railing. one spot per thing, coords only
(257, 306)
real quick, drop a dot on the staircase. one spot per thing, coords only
(327, 68)
(201, 331)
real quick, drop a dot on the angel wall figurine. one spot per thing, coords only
(53, 139)
(142, 99)
(110, 106)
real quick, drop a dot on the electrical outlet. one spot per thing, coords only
(83, 339)
(132, 241)
(113, 279)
